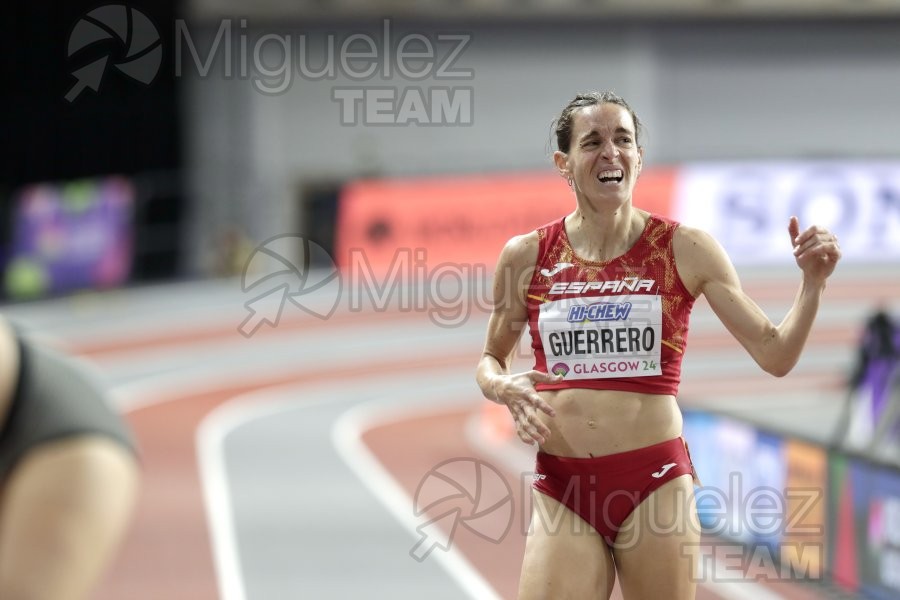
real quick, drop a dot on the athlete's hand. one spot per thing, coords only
(518, 394)
(816, 250)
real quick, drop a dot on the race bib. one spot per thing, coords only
(602, 336)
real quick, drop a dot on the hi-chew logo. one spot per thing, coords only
(599, 311)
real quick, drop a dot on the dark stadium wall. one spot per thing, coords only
(706, 91)
(57, 129)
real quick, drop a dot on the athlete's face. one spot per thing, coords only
(604, 159)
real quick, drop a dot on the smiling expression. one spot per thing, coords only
(604, 159)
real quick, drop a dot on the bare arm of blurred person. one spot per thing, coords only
(68, 475)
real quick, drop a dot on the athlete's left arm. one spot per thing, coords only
(705, 268)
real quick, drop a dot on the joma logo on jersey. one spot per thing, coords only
(631, 284)
(599, 311)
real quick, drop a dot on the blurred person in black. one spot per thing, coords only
(68, 474)
(877, 360)
(878, 352)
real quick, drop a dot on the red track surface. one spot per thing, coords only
(167, 550)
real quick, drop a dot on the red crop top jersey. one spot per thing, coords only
(616, 325)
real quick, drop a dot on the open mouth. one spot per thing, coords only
(615, 176)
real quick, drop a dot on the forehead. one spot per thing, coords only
(603, 118)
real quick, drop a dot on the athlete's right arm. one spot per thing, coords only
(508, 319)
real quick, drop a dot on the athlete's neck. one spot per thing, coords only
(596, 236)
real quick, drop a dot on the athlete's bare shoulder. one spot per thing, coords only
(697, 256)
(692, 238)
(520, 252)
(515, 269)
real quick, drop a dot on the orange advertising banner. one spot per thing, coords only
(803, 544)
(461, 220)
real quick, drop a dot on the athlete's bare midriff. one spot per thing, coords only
(9, 368)
(600, 422)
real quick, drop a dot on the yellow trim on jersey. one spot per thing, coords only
(673, 347)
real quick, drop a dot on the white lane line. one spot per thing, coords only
(259, 404)
(153, 390)
(256, 368)
(347, 437)
(210, 442)
(179, 371)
